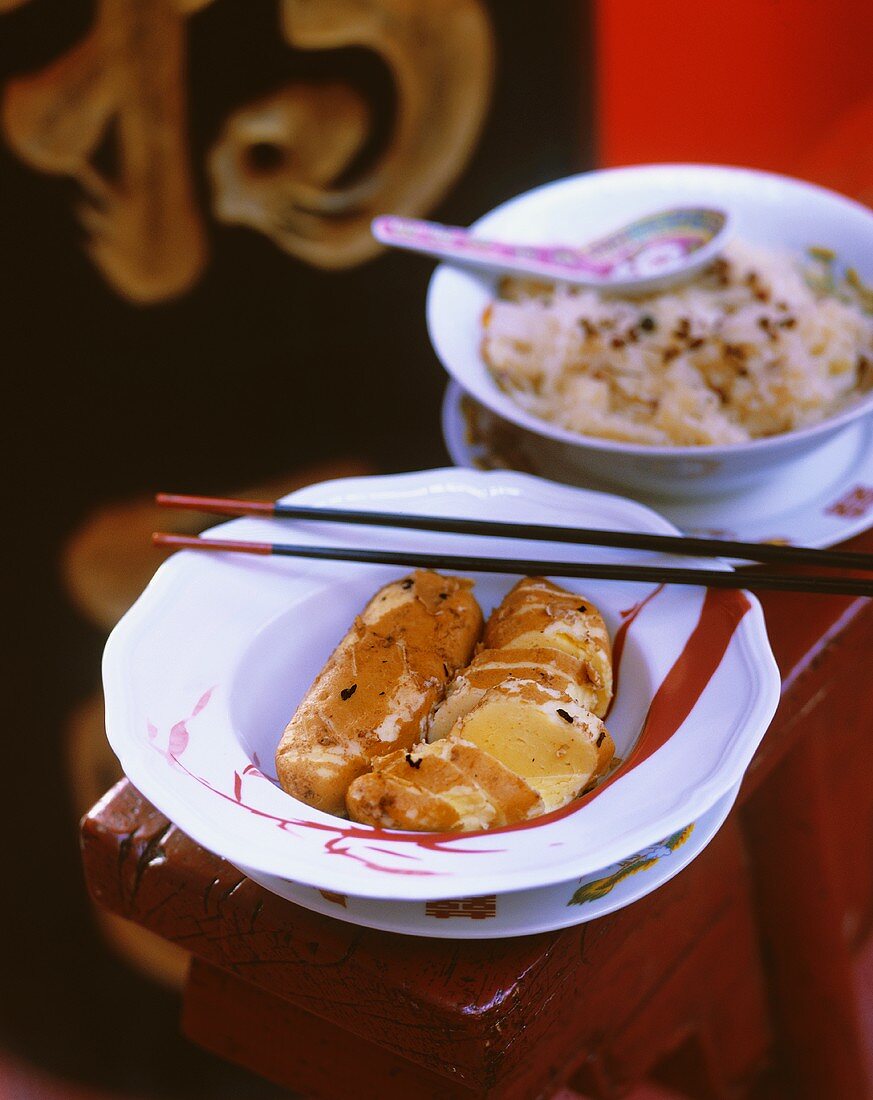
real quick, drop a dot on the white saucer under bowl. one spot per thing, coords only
(821, 500)
(523, 912)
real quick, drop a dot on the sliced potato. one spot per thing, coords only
(447, 785)
(553, 743)
(537, 613)
(550, 667)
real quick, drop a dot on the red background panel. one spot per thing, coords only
(785, 85)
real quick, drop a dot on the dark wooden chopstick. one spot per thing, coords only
(711, 578)
(580, 536)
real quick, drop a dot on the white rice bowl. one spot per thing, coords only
(780, 215)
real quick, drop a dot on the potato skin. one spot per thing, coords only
(378, 688)
(449, 785)
(388, 802)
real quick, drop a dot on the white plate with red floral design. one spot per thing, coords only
(204, 671)
(819, 500)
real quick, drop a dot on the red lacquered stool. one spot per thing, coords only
(676, 985)
(807, 811)
(333, 1010)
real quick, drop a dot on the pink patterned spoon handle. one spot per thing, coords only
(649, 248)
(455, 243)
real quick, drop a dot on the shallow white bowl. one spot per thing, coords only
(764, 208)
(204, 671)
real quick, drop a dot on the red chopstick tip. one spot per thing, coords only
(165, 538)
(192, 542)
(222, 506)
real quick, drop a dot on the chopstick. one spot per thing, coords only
(711, 578)
(580, 536)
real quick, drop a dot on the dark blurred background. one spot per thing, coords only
(264, 367)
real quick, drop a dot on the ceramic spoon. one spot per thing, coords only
(643, 255)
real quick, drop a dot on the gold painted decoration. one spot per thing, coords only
(275, 163)
(597, 888)
(440, 54)
(124, 84)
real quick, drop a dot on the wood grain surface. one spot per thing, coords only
(477, 1010)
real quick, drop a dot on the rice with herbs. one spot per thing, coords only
(755, 345)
